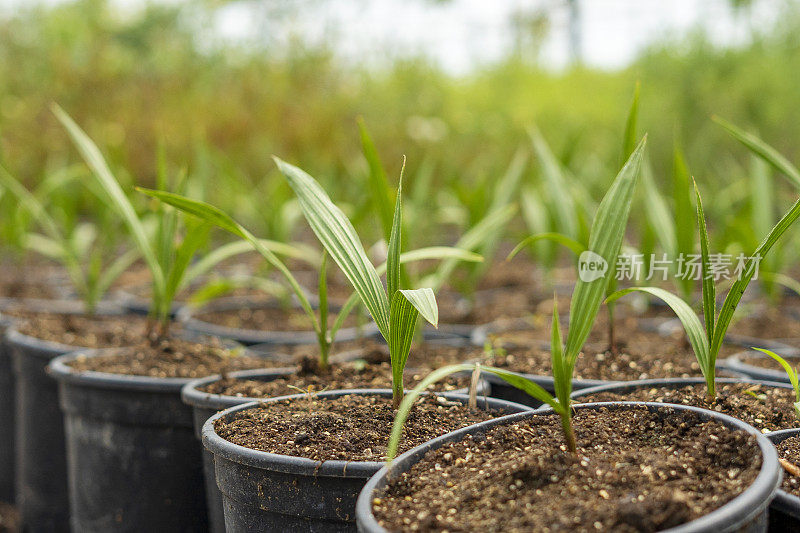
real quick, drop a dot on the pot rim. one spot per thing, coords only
(60, 370)
(187, 315)
(678, 382)
(310, 467)
(735, 362)
(737, 509)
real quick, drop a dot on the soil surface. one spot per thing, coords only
(350, 428)
(100, 331)
(763, 407)
(640, 354)
(782, 322)
(170, 358)
(271, 318)
(27, 289)
(634, 471)
(369, 370)
(789, 450)
(9, 518)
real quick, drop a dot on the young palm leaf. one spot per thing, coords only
(394, 310)
(707, 340)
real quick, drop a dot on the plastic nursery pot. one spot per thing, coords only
(204, 405)
(40, 471)
(737, 362)
(270, 492)
(745, 513)
(6, 418)
(784, 511)
(133, 460)
(190, 317)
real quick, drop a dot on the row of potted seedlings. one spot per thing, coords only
(127, 440)
(109, 444)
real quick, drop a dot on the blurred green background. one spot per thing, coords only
(137, 77)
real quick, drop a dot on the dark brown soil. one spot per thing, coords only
(9, 518)
(770, 409)
(789, 450)
(170, 358)
(101, 331)
(640, 354)
(350, 428)
(27, 289)
(635, 471)
(371, 370)
(270, 319)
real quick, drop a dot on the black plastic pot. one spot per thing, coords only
(204, 405)
(784, 511)
(269, 492)
(736, 363)
(40, 462)
(745, 513)
(133, 460)
(187, 315)
(7, 406)
(41, 471)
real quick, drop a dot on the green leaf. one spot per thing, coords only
(709, 290)
(471, 240)
(403, 320)
(395, 239)
(561, 199)
(217, 217)
(657, 212)
(740, 285)
(114, 270)
(691, 324)
(629, 139)
(562, 370)
(423, 301)
(117, 197)
(574, 246)
(378, 182)
(339, 238)
(605, 240)
(232, 249)
(790, 372)
(684, 214)
(408, 402)
(763, 150)
(527, 386)
(196, 236)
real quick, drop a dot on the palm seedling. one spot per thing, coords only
(707, 337)
(169, 261)
(81, 252)
(573, 235)
(349, 253)
(606, 236)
